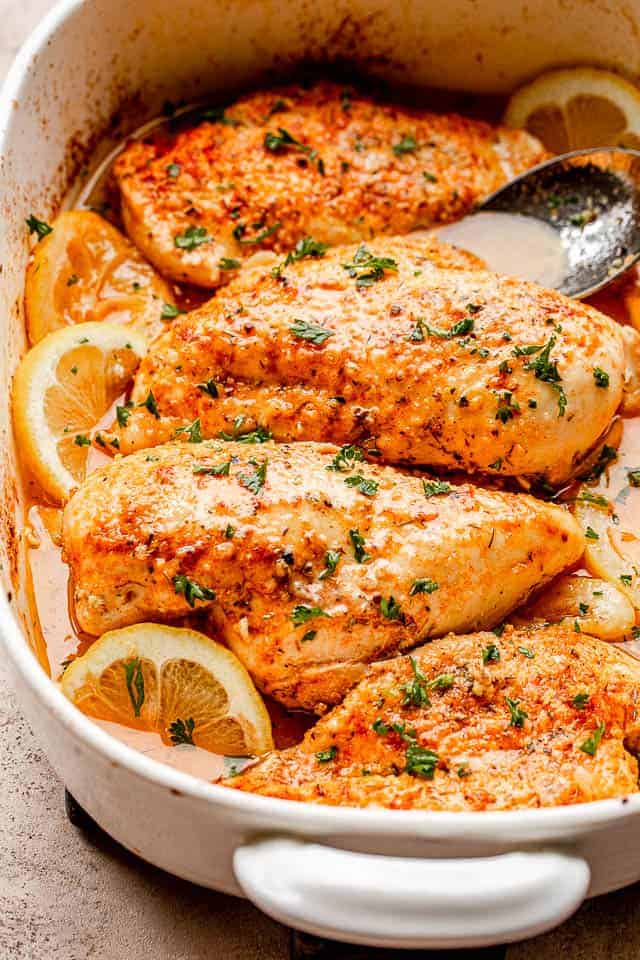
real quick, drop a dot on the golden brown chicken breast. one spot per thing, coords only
(311, 562)
(281, 165)
(456, 368)
(482, 722)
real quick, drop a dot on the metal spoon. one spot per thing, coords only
(590, 200)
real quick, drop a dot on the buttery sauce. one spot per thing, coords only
(512, 244)
(501, 243)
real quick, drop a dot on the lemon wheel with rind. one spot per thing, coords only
(61, 390)
(577, 108)
(173, 681)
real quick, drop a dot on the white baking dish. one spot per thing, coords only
(403, 879)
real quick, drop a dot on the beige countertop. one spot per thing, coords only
(64, 897)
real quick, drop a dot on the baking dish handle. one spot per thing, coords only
(409, 902)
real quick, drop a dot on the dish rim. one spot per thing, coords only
(482, 826)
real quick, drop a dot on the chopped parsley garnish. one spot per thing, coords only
(390, 608)
(363, 485)
(358, 544)
(490, 654)
(192, 430)
(81, 440)
(580, 701)
(367, 268)
(73, 279)
(593, 742)
(380, 727)
(507, 407)
(209, 387)
(214, 470)
(423, 585)
(39, 227)
(182, 731)
(228, 263)
(458, 329)
(633, 476)
(436, 488)
(496, 465)
(429, 177)
(170, 311)
(527, 351)
(150, 403)
(218, 115)
(416, 690)
(309, 635)
(307, 247)
(312, 332)
(324, 756)
(463, 770)
(192, 591)
(546, 370)
(265, 232)
(590, 534)
(331, 561)
(601, 377)
(346, 458)
(229, 532)
(408, 144)
(134, 679)
(302, 613)
(594, 498)
(191, 238)
(417, 333)
(173, 170)
(255, 481)
(421, 762)
(259, 435)
(282, 140)
(518, 716)
(626, 579)
(529, 654)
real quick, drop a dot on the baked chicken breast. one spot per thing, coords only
(277, 166)
(528, 719)
(310, 562)
(383, 347)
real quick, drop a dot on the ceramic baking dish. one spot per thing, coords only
(403, 879)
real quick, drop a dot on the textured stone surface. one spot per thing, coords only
(63, 897)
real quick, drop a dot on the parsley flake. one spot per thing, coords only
(312, 332)
(359, 551)
(192, 430)
(331, 561)
(134, 680)
(39, 227)
(367, 268)
(191, 590)
(423, 585)
(182, 731)
(255, 481)
(191, 238)
(593, 742)
(302, 613)
(436, 488)
(518, 716)
(324, 756)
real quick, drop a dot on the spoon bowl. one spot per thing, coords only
(586, 205)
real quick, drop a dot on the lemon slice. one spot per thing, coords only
(612, 550)
(578, 108)
(175, 682)
(85, 270)
(62, 388)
